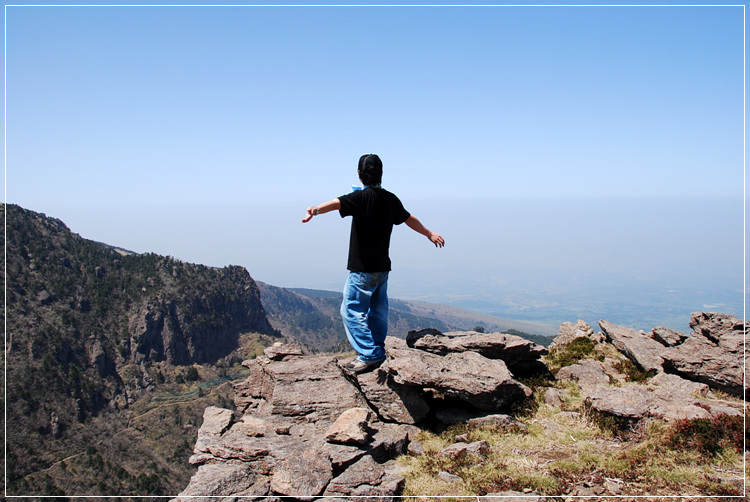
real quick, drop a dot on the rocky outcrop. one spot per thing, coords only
(679, 370)
(713, 354)
(519, 355)
(569, 332)
(484, 383)
(639, 348)
(306, 428)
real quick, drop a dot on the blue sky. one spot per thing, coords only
(204, 132)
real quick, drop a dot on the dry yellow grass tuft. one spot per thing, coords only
(564, 451)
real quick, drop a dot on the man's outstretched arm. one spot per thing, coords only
(417, 226)
(326, 207)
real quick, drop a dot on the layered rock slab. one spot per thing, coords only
(484, 383)
(305, 428)
(521, 356)
(713, 354)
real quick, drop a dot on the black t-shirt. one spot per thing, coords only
(374, 211)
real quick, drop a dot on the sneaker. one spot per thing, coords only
(359, 366)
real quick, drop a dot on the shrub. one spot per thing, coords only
(573, 352)
(708, 436)
(631, 371)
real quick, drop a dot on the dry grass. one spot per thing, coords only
(567, 453)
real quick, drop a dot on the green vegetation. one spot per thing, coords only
(571, 353)
(93, 335)
(631, 371)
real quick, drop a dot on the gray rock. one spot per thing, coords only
(361, 479)
(216, 421)
(390, 440)
(667, 337)
(279, 351)
(213, 480)
(713, 354)
(484, 383)
(457, 449)
(392, 401)
(554, 397)
(639, 348)
(569, 332)
(520, 355)
(305, 389)
(588, 373)
(630, 402)
(303, 476)
(667, 397)
(503, 421)
(351, 427)
(449, 478)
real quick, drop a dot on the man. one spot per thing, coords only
(374, 211)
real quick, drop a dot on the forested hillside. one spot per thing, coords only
(93, 331)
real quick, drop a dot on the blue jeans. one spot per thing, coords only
(365, 313)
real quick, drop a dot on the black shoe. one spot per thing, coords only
(358, 366)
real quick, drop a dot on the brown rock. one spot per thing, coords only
(588, 373)
(667, 337)
(520, 355)
(303, 476)
(713, 354)
(569, 332)
(361, 479)
(215, 422)
(279, 351)
(213, 480)
(307, 389)
(484, 383)
(639, 348)
(393, 402)
(350, 427)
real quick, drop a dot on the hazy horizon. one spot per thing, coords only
(542, 260)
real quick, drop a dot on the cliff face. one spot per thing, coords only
(92, 328)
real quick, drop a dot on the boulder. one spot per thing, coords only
(351, 427)
(638, 347)
(667, 337)
(588, 373)
(365, 478)
(305, 389)
(521, 356)
(569, 332)
(667, 397)
(713, 354)
(393, 402)
(279, 351)
(484, 383)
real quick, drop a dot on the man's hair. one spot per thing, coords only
(370, 169)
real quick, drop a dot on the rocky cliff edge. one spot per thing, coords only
(306, 428)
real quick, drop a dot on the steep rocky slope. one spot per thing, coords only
(91, 330)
